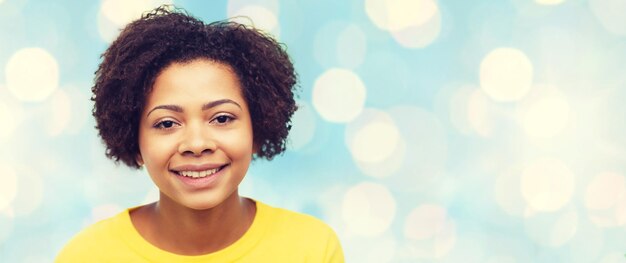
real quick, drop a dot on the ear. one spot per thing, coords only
(139, 160)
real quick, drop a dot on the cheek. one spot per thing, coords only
(155, 151)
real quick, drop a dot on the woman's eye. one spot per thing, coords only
(165, 125)
(223, 119)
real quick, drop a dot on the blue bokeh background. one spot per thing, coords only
(428, 131)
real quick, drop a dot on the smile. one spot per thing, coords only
(200, 174)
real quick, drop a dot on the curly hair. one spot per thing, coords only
(169, 35)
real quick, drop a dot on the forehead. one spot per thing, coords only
(199, 79)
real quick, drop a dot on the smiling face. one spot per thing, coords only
(195, 134)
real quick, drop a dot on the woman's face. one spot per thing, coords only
(195, 134)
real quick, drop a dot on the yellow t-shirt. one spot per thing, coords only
(276, 235)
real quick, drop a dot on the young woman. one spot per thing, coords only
(194, 104)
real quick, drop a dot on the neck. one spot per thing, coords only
(186, 231)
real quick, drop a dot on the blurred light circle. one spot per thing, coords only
(351, 46)
(614, 257)
(507, 193)
(8, 121)
(506, 74)
(547, 185)
(59, 112)
(501, 259)
(105, 211)
(429, 243)
(6, 227)
(552, 229)
(423, 149)
(425, 221)
(605, 199)
(8, 187)
(116, 14)
(479, 114)
(303, 126)
(30, 193)
(588, 243)
(378, 249)
(258, 17)
(81, 108)
(395, 15)
(458, 108)
(233, 6)
(107, 30)
(546, 117)
(549, 2)
(610, 14)
(419, 36)
(604, 191)
(368, 209)
(374, 141)
(338, 95)
(122, 12)
(32, 74)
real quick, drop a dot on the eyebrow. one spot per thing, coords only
(206, 106)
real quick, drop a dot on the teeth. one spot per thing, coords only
(199, 174)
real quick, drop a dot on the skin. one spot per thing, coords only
(195, 117)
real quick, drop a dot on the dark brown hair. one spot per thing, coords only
(167, 35)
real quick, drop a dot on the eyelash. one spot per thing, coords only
(161, 124)
(228, 120)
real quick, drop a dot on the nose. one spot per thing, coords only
(196, 141)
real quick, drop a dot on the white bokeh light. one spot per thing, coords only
(610, 14)
(116, 14)
(32, 74)
(30, 193)
(104, 211)
(458, 108)
(9, 121)
(419, 36)
(425, 221)
(547, 185)
(546, 117)
(81, 108)
(233, 6)
(351, 46)
(605, 199)
(303, 126)
(506, 74)
(552, 229)
(376, 249)
(6, 227)
(60, 111)
(429, 232)
(479, 114)
(368, 209)
(339, 95)
(423, 150)
(8, 188)
(396, 15)
(375, 141)
(507, 193)
(412, 23)
(377, 152)
(258, 17)
(549, 2)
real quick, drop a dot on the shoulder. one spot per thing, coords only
(302, 231)
(290, 220)
(92, 240)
